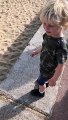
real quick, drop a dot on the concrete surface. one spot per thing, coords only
(60, 111)
(9, 110)
(20, 82)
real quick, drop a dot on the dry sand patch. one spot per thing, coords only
(19, 20)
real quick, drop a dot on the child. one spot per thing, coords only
(53, 52)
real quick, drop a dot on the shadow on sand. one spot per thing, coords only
(14, 51)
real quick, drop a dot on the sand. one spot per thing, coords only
(19, 20)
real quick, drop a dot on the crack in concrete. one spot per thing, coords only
(11, 99)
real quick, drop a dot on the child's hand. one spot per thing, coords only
(33, 53)
(52, 82)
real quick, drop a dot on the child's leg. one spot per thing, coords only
(42, 88)
(36, 86)
(39, 89)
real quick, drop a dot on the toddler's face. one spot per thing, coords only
(52, 29)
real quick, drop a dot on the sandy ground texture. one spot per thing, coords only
(19, 20)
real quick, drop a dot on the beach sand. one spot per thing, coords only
(19, 20)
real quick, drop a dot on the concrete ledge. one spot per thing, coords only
(20, 80)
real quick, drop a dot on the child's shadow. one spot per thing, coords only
(27, 99)
(17, 106)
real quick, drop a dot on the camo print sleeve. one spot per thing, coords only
(62, 53)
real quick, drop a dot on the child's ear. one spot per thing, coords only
(65, 26)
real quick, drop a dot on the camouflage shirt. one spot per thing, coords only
(54, 52)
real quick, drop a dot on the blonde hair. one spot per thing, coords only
(56, 12)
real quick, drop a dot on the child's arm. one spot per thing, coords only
(58, 71)
(35, 52)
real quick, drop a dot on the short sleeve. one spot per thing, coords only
(62, 54)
